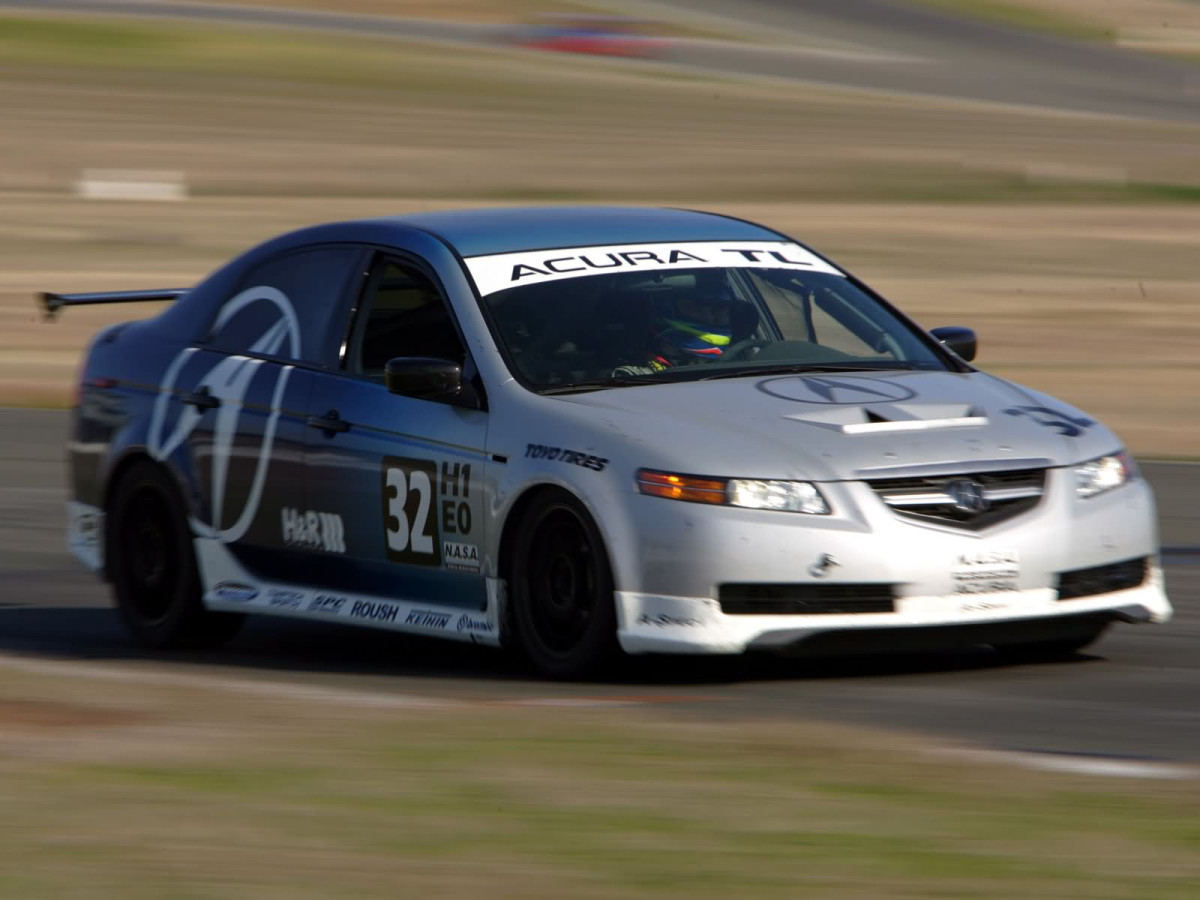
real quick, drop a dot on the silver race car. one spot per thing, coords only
(579, 431)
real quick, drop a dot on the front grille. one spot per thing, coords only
(990, 497)
(806, 599)
(1120, 576)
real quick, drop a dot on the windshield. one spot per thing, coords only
(672, 322)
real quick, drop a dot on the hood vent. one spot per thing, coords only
(969, 501)
(881, 418)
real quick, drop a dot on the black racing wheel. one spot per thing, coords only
(152, 565)
(561, 590)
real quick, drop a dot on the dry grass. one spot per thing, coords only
(137, 789)
(1167, 26)
(499, 11)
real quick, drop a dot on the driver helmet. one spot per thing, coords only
(696, 324)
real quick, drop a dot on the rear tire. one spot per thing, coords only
(561, 589)
(152, 565)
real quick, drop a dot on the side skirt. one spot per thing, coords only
(228, 587)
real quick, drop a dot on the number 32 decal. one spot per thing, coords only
(408, 501)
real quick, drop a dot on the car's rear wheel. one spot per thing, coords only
(561, 589)
(152, 565)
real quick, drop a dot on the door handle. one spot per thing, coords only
(201, 399)
(330, 423)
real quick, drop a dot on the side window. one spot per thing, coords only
(289, 306)
(401, 313)
(819, 314)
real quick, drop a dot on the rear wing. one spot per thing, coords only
(51, 304)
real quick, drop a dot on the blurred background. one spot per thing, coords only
(1028, 168)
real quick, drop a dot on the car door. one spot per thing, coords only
(402, 476)
(242, 399)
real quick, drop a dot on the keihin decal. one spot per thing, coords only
(506, 270)
(229, 381)
(1067, 426)
(425, 618)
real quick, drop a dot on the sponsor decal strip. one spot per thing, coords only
(506, 270)
(235, 589)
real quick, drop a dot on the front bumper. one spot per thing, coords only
(662, 624)
(949, 586)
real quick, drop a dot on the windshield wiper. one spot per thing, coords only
(600, 384)
(797, 368)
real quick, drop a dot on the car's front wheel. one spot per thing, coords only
(152, 565)
(561, 589)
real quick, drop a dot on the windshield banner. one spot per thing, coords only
(506, 270)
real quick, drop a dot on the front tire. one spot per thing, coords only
(561, 589)
(152, 566)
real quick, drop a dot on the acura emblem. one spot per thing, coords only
(967, 496)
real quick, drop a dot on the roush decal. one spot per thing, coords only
(380, 611)
(506, 270)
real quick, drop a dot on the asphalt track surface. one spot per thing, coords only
(1134, 694)
(866, 44)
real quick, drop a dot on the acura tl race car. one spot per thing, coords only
(580, 431)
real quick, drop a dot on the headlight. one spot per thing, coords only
(789, 496)
(1103, 474)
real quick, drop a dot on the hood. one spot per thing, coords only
(843, 426)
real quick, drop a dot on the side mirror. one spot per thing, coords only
(423, 377)
(961, 340)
